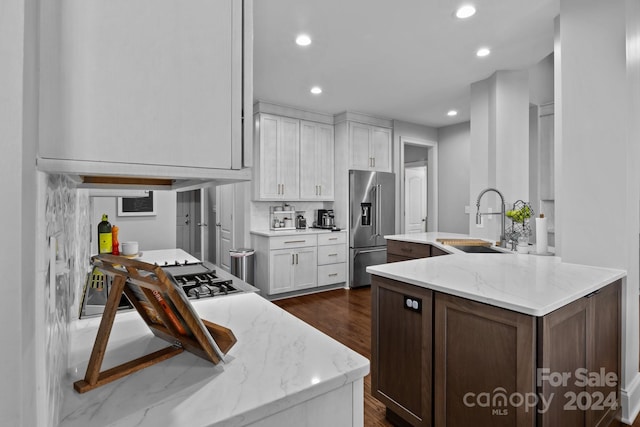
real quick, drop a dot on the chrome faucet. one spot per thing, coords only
(503, 238)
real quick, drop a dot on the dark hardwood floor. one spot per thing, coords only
(345, 315)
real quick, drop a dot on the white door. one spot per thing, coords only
(305, 270)
(381, 149)
(415, 199)
(281, 264)
(325, 162)
(359, 138)
(204, 224)
(224, 225)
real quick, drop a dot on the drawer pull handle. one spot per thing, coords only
(332, 254)
(406, 249)
(333, 238)
(295, 241)
(333, 274)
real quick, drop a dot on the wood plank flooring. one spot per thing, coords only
(345, 315)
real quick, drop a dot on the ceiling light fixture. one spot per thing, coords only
(452, 113)
(465, 11)
(316, 90)
(303, 40)
(484, 51)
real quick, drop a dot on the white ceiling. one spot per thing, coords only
(409, 60)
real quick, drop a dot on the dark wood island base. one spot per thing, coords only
(442, 360)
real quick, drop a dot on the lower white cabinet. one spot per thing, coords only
(296, 261)
(292, 269)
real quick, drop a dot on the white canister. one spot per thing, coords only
(129, 248)
(542, 246)
(288, 223)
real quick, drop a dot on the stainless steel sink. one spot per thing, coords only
(478, 249)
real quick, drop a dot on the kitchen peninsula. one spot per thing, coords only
(494, 339)
(281, 371)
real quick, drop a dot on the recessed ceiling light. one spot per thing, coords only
(452, 113)
(303, 40)
(465, 11)
(316, 90)
(484, 51)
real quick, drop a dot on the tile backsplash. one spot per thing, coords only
(67, 224)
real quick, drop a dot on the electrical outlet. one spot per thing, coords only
(413, 304)
(467, 209)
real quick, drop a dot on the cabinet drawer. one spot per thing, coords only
(332, 273)
(407, 249)
(292, 241)
(331, 254)
(332, 238)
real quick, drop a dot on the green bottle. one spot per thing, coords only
(105, 243)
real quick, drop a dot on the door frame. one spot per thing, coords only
(432, 181)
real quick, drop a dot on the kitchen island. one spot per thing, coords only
(280, 372)
(495, 339)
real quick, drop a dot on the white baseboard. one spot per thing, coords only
(630, 400)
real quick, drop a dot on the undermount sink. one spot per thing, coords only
(478, 249)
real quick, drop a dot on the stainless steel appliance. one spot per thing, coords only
(371, 217)
(201, 280)
(325, 219)
(301, 221)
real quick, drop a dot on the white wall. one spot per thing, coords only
(453, 177)
(499, 145)
(151, 232)
(541, 81)
(597, 154)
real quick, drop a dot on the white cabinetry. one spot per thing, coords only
(316, 161)
(146, 88)
(369, 147)
(278, 166)
(332, 257)
(294, 157)
(297, 261)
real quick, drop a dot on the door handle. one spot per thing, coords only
(218, 224)
(202, 224)
(370, 251)
(186, 221)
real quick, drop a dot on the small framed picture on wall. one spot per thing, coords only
(137, 206)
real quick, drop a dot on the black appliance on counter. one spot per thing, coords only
(325, 219)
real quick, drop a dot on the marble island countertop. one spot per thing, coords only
(278, 362)
(308, 230)
(529, 284)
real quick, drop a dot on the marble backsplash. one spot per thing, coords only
(67, 225)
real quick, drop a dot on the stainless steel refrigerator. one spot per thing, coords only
(371, 216)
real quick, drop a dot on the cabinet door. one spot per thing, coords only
(480, 348)
(582, 335)
(359, 139)
(401, 343)
(325, 162)
(281, 263)
(305, 272)
(269, 163)
(308, 160)
(288, 158)
(380, 149)
(158, 88)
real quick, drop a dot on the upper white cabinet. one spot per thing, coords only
(369, 147)
(161, 83)
(294, 157)
(278, 167)
(316, 161)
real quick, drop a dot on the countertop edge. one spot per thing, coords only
(498, 303)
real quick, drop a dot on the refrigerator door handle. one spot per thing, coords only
(368, 251)
(378, 208)
(374, 212)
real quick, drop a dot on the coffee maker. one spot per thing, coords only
(325, 219)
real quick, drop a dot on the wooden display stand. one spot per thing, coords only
(164, 308)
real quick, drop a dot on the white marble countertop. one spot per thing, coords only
(278, 362)
(529, 284)
(272, 233)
